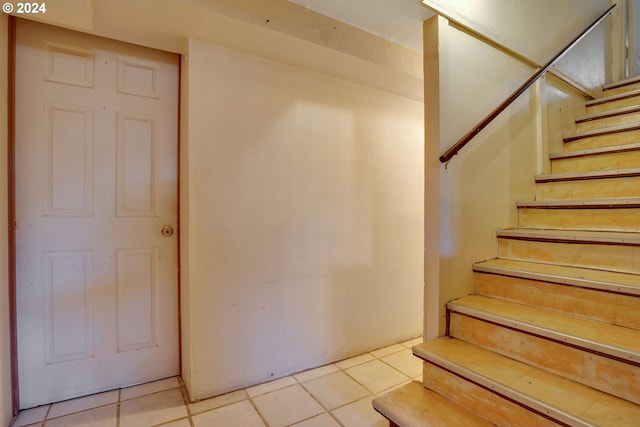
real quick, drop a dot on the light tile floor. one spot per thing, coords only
(334, 395)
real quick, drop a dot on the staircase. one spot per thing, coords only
(551, 336)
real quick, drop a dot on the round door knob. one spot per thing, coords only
(167, 230)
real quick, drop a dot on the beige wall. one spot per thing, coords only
(476, 193)
(466, 202)
(5, 366)
(536, 29)
(517, 26)
(304, 204)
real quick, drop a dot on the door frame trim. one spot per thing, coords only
(11, 140)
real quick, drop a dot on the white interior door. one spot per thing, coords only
(96, 181)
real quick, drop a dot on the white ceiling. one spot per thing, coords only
(396, 20)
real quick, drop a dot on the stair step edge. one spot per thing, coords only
(502, 389)
(612, 98)
(583, 176)
(413, 405)
(595, 151)
(538, 330)
(571, 236)
(558, 279)
(608, 114)
(620, 83)
(619, 203)
(600, 132)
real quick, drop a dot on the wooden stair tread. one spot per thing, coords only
(611, 98)
(595, 151)
(608, 114)
(571, 236)
(577, 176)
(605, 338)
(599, 132)
(609, 281)
(559, 398)
(620, 83)
(413, 405)
(623, 202)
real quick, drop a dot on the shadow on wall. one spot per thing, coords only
(480, 190)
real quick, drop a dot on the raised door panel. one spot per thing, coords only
(68, 161)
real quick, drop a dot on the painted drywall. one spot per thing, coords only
(466, 202)
(477, 192)
(400, 20)
(5, 359)
(303, 208)
(535, 29)
(539, 31)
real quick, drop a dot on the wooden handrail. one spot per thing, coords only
(455, 148)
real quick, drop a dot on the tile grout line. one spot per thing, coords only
(164, 423)
(223, 405)
(46, 416)
(263, 418)
(185, 400)
(373, 393)
(335, 419)
(79, 412)
(184, 403)
(255, 408)
(300, 383)
(396, 369)
(344, 371)
(326, 410)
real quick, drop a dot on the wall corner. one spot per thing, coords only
(431, 43)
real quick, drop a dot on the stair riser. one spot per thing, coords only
(613, 219)
(607, 140)
(618, 309)
(613, 105)
(621, 89)
(605, 122)
(479, 400)
(600, 372)
(624, 160)
(589, 189)
(620, 258)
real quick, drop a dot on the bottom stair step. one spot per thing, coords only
(415, 406)
(509, 392)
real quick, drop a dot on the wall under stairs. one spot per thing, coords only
(551, 335)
